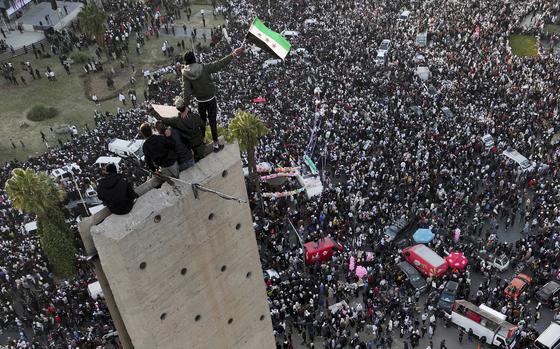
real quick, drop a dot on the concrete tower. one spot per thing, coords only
(183, 266)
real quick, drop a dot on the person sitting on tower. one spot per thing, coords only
(115, 191)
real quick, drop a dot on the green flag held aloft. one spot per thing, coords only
(268, 40)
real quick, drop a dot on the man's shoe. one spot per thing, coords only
(218, 147)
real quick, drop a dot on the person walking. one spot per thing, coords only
(197, 82)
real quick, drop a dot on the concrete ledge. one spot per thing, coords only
(184, 269)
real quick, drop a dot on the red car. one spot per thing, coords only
(322, 250)
(517, 286)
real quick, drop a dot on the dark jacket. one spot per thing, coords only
(159, 151)
(197, 79)
(183, 150)
(191, 130)
(116, 193)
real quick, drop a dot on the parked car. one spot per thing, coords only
(447, 112)
(517, 286)
(448, 296)
(392, 231)
(413, 276)
(548, 292)
(404, 16)
(500, 262)
(380, 59)
(488, 141)
(384, 46)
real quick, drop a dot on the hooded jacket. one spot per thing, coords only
(197, 79)
(116, 193)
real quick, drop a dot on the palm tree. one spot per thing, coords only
(92, 22)
(247, 128)
(37, 193)
(222, 132)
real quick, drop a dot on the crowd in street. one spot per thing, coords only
(386, 150)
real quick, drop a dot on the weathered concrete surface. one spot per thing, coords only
(223, 278)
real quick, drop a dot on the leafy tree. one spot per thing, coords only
(247, 128)
(37, 193)
(92, 22)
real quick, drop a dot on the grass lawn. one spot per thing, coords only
(552, 28)
(524, 45)
(196, 18)
(67, 94)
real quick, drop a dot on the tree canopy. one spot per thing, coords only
(37, 193)
(92, 22)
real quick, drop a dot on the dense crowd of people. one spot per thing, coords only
(386, 151)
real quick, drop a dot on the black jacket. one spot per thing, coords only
(192, 128)
(159, 151)
(116, 193)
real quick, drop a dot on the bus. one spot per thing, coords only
(490, 328)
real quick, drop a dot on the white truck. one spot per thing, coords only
(490, 326)
(104, 160)
(123, 147)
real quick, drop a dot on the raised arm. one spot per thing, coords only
(219, 65)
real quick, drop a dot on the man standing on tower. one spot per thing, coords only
(197, 82)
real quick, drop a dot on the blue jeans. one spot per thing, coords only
(186, 164)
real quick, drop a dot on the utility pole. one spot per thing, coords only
(79, 193)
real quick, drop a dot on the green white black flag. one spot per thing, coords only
(268, 40)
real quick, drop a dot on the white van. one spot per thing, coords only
(515, 156)
(271, 62)
(404, 16)
(127, 148)
(550, 338)
(64, 173)
(104, 160)
(290, 33)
